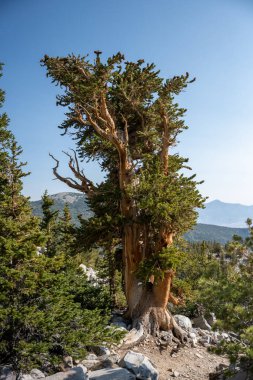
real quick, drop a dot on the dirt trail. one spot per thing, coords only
(188, 363)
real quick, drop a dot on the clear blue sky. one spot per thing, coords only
(211, 39)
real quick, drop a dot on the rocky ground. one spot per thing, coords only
(188, 363)
(163, 357)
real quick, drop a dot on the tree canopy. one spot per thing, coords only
(125, 116)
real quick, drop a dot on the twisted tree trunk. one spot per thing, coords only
(147, 303)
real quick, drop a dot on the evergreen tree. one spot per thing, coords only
(125, 115)
(48, 223)
(45, 309)
(249, 240)
(223, 285)
(66, 232)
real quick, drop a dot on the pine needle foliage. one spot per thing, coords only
(46, 308)
(120, 111)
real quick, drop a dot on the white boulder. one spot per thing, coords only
(183, 322)
(139, 365)
(36, 374)
(75, 373)
(111, 374)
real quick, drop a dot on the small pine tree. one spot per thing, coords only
(48, 223)
(66, 232)
(44, 313)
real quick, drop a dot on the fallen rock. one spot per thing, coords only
(90, 273)
(211, 319)
(193, 339)
(183, 322)
(120, 324)
(92, 364)
(133, 336)
(167, 336)
(7, 373)
(205, 341)
(36, 374)
(139, 365)
(68, 361)
(91, 356)
(111, 374)
(25, 376)
(75, 373)
(201, 322)
(109, 361)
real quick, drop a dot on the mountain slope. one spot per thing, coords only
(210, 232)
(225, 214)
(77, 204)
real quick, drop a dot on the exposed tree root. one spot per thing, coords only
(152, 322)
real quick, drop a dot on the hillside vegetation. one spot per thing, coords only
(78, 206)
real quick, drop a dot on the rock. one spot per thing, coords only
(133, 336)
(211, 319)
(183, 322)
(92, 364)
(225, 336)
(175, 374)
(91, 356)
(68, 361)
(139, 365)
(167, 336)
(83, 267)
(118, 320)
(205, 340)
(193, 339)
(90, 273)
(120, 324)
(201, 322)
(36, 373)
(25, 376)
(75, 373)
(101, 351)
(7, 373)
(111, 374)
(109, 361)
(202, 332)
(40, 250)
(215, 337)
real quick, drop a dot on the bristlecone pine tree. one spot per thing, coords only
(124, 115)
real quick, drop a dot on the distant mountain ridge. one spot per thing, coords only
(210, 232)
(213, 224)
(76, 202)
(225, 214)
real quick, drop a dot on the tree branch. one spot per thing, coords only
(86, 186)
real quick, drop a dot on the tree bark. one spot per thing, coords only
(147, 303)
